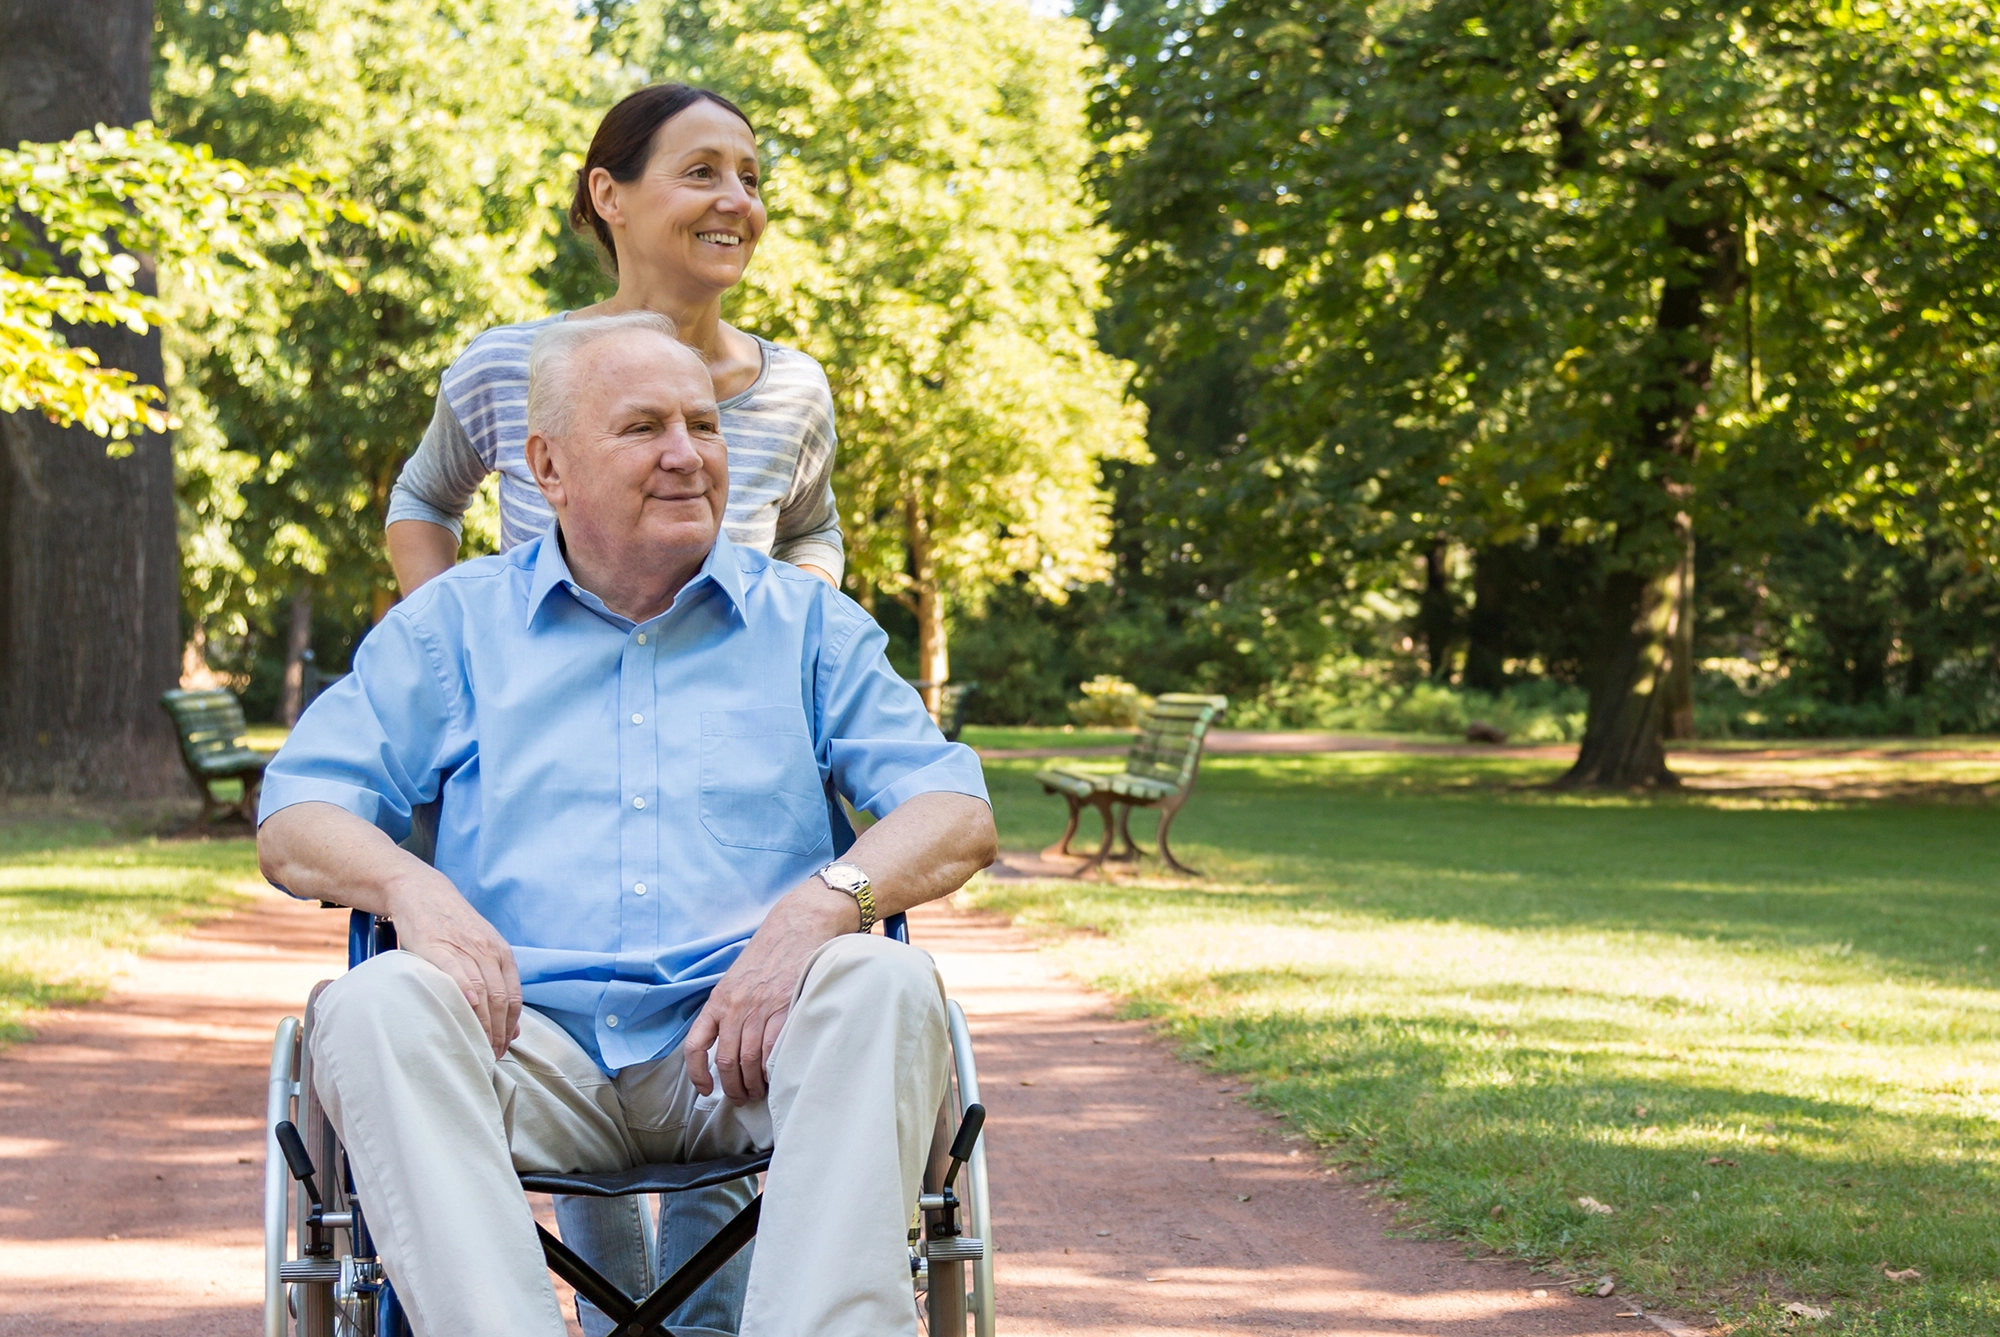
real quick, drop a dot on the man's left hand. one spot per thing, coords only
(746, 1011)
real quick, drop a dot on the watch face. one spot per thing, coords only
(844, 877)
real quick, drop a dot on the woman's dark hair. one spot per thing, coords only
(624, 142)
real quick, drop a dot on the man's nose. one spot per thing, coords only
(678, 454)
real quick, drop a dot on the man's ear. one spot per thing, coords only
(547, 472)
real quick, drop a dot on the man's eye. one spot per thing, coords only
(750, 184)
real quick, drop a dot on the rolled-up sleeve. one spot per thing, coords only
(877, 743)
(378, 742)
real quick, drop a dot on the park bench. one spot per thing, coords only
(1159, 772)
(951, 705)
(211, 729)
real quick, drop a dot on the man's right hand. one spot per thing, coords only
(437, 923)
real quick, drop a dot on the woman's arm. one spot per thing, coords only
(808, 533)
(425, 506)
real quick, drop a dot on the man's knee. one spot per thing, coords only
(388, 1001)
(879, 973)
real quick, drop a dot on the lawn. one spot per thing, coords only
(80, 892)
(1735, 1048)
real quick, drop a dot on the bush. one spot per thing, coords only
(1109, 702)
(1360, 695)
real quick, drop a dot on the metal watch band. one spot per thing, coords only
(849, 880)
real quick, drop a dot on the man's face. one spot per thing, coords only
(642, 474)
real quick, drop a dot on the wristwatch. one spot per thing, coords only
(851, 881)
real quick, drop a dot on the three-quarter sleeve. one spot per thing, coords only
(439, 480)
(808, 521)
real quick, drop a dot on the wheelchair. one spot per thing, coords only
(322, 1277)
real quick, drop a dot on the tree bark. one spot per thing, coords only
(928, 603)
(1677, 716)
(1648, 597)
(1436, 618)
(89, 559)
(292, 694)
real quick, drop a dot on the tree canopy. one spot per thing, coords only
(1606, 273)
(89, 227)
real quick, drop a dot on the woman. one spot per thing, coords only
(669, 189)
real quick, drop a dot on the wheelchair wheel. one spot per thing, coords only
(338, 1291)
(957, 1296)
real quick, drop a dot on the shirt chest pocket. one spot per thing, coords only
(760, 784)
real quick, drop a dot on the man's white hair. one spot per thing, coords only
(552, 360)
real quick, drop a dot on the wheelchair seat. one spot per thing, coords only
(647, 1178)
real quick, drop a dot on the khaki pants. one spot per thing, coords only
(436, 1128)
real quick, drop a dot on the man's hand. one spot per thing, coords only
(436, 923)
(317, 851)
(744, 1014)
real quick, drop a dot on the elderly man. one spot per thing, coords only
(637, 943)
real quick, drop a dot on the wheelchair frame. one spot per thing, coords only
(312, 1288)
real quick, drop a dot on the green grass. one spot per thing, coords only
(1760, 1024)
(987, 737)
(79, 893)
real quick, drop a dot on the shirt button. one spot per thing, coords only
(638, 803)
(638, 719)
(611, 1020)
(642, 638)
(638, 889)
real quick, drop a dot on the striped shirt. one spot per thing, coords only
(779, 432)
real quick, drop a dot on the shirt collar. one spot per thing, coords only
(721, 568)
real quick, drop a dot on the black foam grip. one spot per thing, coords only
(968, 1132)
(294, 1148)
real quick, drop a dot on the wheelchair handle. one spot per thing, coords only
(297, 1159)
(968, 1135)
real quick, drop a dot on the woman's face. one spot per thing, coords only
(694, 210)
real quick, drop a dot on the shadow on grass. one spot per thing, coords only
(1715, 1189)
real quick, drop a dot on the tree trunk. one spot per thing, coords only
(1677, 719)
(928, 603)
(1648, 597)
(1436, 618)
(89, 559)
(298, 640)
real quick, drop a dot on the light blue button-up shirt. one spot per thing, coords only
(623, 801)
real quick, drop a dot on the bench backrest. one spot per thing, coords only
(1171, 733)
(207, 721)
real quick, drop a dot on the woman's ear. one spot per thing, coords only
(547, 472)
(604, 197)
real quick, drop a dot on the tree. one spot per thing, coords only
(88, 632)
(1593, 271)
(465, 121)
(931, 245)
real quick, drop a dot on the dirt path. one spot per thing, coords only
(1132, 1195)
(1229, 742)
